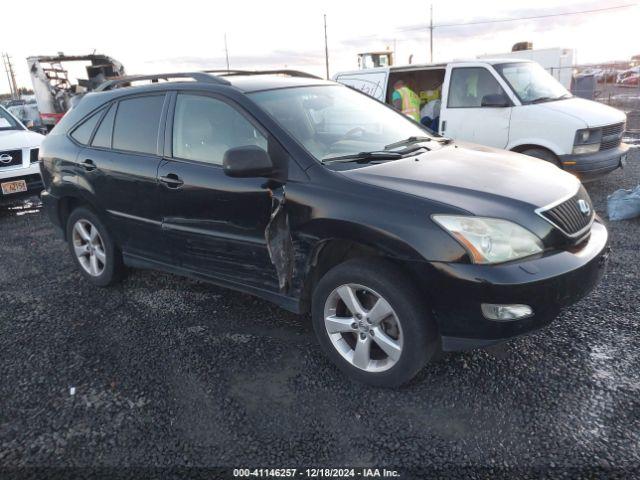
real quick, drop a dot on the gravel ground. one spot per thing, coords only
(172, 372)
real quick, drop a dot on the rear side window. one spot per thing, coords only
(102, 138)
(82, 133)
(469, 85)
(136, 124)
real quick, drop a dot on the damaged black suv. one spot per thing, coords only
(400, 243)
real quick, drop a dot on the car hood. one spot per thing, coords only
(474, 178)
(15, 139)
(594, 114)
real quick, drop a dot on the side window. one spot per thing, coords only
(136, 124)
(82, 133)
(469, 85)
(204, 128)
(102, 138)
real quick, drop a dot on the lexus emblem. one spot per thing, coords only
(584, 207)
(4, 158)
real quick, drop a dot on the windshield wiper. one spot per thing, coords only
(407, 141)
(363, 157)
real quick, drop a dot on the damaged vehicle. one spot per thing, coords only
(398, 242)
(55, 91)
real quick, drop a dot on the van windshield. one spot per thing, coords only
(532, 83)
(335, 121)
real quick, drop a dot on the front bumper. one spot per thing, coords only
(545, 283)
(34, 187)
(594, 165)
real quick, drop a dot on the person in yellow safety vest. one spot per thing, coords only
(405, 100)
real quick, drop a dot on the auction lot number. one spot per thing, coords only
(314, 473)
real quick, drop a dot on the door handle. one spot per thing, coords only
(88, 165)
(172, 180)
(444, 126)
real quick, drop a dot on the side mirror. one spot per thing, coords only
(247, 161)
(495, 100)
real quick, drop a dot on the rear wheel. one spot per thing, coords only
(543, 154)
(371, 322)
(93, 249)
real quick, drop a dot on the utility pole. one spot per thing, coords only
(11, 78)
(6, 69)
(431, 35)
(326, 46)
(226, 50)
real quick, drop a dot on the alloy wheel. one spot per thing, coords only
(89, 247)
(363, 327)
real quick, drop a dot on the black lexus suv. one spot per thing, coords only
(304, 192)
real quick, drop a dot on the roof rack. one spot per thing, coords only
(291, 73)
(197, 76)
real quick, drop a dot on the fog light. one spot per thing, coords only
(505, 313)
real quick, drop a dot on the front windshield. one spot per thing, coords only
(333, 120)
(7, 122)
(531, 82)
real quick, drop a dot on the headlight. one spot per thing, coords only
(490, 240)
(587, 141)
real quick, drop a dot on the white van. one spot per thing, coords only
(511, 104)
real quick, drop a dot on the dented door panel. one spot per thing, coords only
(216, 224)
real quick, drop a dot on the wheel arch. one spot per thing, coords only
(537, 145)
(335, 247)
(67, 203)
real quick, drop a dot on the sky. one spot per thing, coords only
(184, 35)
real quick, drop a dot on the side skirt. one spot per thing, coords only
(288, 303)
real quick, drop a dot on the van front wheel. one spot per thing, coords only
(543, 154)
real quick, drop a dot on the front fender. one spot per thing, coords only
(533, 142)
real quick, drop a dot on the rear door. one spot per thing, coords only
(462, 114)
(120, 166)
(216, 223)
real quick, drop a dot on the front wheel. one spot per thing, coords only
(371, 322)
(93, 249)
(543, 154)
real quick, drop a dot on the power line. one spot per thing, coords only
(498, 20)
(518, 19)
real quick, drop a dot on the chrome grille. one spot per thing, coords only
(573, 216)
(33, 155)
(611, 136)
(10, 158)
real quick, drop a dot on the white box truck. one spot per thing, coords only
(510, 104)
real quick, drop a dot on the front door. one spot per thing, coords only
(216, 224)
(462, 114)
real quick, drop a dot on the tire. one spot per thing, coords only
(542, 154)
(409, 326)
(85, 232)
